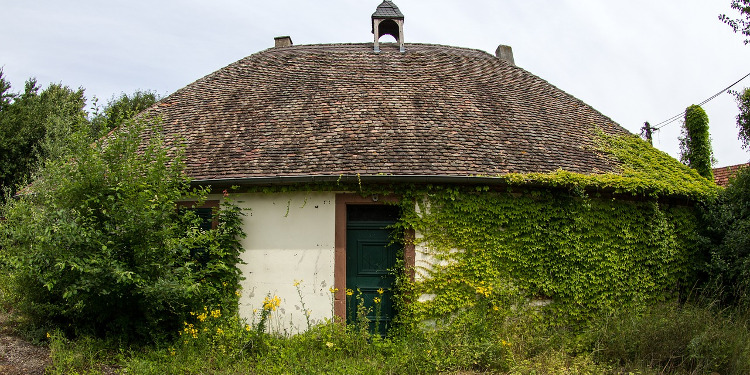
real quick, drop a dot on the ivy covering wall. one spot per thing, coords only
(585, 254)
(585, 243)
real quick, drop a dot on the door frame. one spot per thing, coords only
(339, 269)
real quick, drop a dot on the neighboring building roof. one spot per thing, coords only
(723, 174)
(335, 110)
(388, 10)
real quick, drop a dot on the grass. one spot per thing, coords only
(670, 338)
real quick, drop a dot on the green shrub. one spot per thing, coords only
(97, 246)
(727, 224)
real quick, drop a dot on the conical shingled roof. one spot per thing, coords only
(388, 10)
(343, 110)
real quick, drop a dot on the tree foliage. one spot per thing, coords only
(743, 118)
(727, 223)
(742, 24)
(97, 245)
(31, 119)
(122, 108)
(695, 142)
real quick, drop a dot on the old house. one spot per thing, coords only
(307, 131)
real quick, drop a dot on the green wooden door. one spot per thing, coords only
(370, 258)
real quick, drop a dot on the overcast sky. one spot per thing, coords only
(635, 60)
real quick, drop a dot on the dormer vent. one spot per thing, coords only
(388, 20)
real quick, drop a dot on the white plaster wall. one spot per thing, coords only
(290, 237)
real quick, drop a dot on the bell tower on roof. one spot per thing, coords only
(388, 20)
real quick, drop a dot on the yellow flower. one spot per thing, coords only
(297, 282)
(505, 343)
(247, 327)
(271, 304)
(219, 331)
(381, 291)
(349, 292)
(376, 300)
(329, 344)
(172, 351)
(48, 335)
(216, 313)
(495, 308)
(333, 290)
(202, 317)
(238, 293)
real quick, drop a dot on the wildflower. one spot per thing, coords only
(226, 193)
(172, 351)
(216, 313)
(505, 343)
(271, 304)
(297, 282)
(349, 292)
(247, 327)
(48, 335)
(376, 300)
(333, 290)
(329, 344)
(495, 308)
(219, 331)
(202, 317)
(238, 293)
(381, 291)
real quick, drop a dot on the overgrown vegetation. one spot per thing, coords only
(504, 336)
(30, 119)
(97, 246)
(588, 255)
(726, 223)
(695, 142)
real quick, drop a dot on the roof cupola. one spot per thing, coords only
(388, 20)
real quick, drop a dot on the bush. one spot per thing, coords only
(96, 244)
(727, 223)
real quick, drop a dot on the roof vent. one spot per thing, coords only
(504, 52)
(283, 41)
(388, 20)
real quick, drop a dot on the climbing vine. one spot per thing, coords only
(586, 255)
(578, 244)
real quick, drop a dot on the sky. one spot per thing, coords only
(634, 61)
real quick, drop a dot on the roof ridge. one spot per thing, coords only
(369, 45)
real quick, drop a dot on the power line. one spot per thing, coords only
(681, 115)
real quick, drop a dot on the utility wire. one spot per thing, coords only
(681, 115)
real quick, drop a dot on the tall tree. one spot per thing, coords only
(741, 24)
(31, 119)
(743, 119)
(695, 142)
(5, 95)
